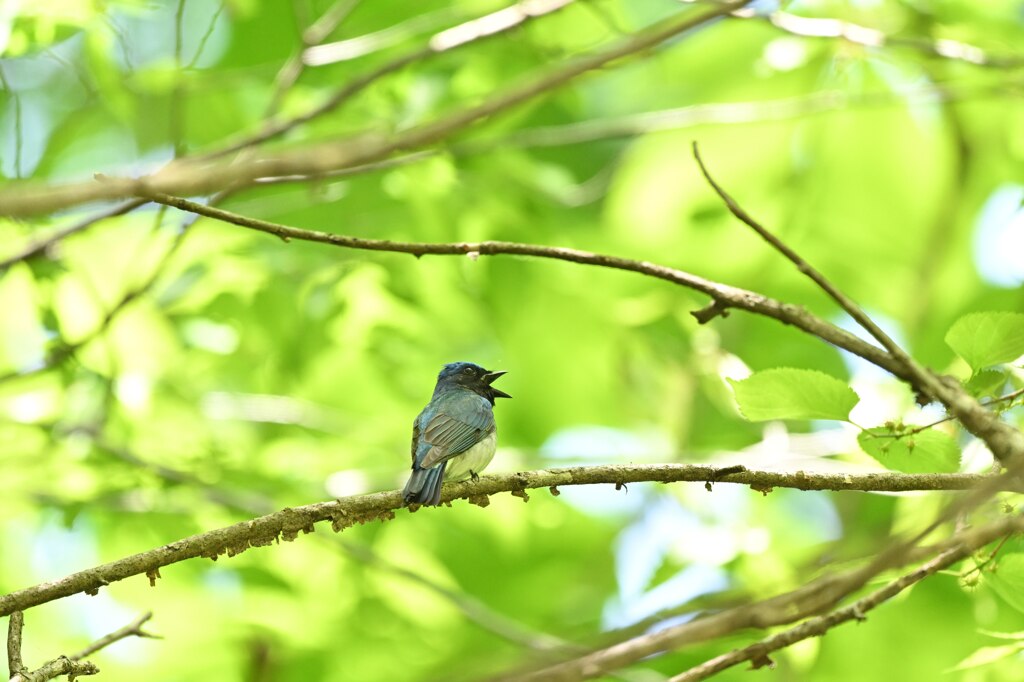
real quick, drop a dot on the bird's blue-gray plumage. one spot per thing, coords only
(455, 431)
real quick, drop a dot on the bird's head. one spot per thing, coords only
(473, 377)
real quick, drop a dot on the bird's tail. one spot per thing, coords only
(424, 486)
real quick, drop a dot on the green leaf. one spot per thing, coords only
(986, 655)
(928, 451)
(787, 393)
(986, 339)
(1008, 579)
(986, 384)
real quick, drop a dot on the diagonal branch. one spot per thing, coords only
(288, 523)
(1005, 441)
(844, 301)
(43, 244)
(520, 14)
(196, 176)
(816, 627)
(64, 350)
(723, 295)
(133, 629)
(808, 600)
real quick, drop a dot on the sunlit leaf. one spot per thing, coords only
(928, 451)
(788, 393)
(986, 339)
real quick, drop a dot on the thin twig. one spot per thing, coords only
(64, 350)
(288, 523)
(16, 98)
(845, 302)
(292, 70)
(724, 296)
(41, 245)
(913, 431)
(206, 35)
(133, 629)
(1005, 441)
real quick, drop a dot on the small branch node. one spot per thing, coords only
(709, 312)
(479, 500)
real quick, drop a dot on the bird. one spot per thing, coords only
(454, 437)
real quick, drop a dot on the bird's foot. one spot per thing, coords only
(473, 476)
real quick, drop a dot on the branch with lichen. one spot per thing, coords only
(288, 523)
(72, 666)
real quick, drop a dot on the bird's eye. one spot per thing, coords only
(468, 370)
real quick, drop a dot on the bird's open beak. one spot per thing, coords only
(489, 379)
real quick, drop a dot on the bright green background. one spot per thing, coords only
(262, 373)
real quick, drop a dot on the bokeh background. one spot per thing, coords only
(214, 373)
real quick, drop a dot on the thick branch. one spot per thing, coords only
(191, 177)
(287, 523)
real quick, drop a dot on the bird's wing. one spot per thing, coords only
(456, 428)
(415, 437)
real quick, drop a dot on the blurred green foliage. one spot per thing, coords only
(255, 374)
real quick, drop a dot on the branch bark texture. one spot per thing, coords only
(288, 523)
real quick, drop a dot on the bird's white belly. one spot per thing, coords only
(472, 461)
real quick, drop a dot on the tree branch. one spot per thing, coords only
(63, 350)
(44, 244)
(133, 629)
(15, 625)
(724, 296)
(807, 600)
(196, 176)
(473, 609)
(62, 665)
(288, 523)
(816, 27)
(520, 14)
(72, 666)
(725, 113)
(816, 627)
(1005, 441)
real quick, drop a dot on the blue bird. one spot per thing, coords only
(454, 431)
